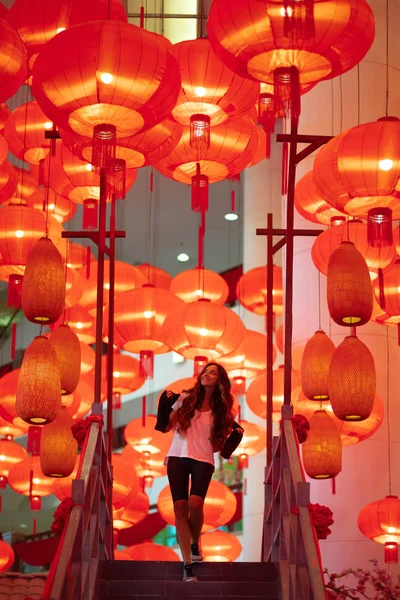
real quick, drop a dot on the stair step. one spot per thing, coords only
(129, 571)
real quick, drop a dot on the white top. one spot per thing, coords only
(195, 441)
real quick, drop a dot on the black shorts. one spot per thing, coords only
(178, 471)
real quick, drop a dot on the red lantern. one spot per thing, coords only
(3, 149)
(256, 395)
(74, 285)
(27, 478)
(8, 391)
(15, 428)
(126, 374)
(310, 203)
(62, 487)
(380, 521)
(88, 358)
(355, 232)
(58, 447)
(25, 131)
(78, 256)
(4, 110)
(219, 505)
(147, 465)
(21, 228)
(7, 555)
(125, 481)
(11, 454)
(387, 292)
(68, 350)
(251, 290)
(220, 546)
(144, 438)
(127, 278)
(27, 183)
(150, 551)
(82, 323)
(253, 442)
(86, 391)
(200, 283)
(38, 21)
(269, 45)
(105, 55)
(134, 512)
(250, 357)
(279, 339)
(13, 61)
(48, 200)
(203, 329)
(315, 363)
(8, 182)
(155, 276)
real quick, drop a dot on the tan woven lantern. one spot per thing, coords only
(68, 349)
(43, 287)
(58, 447)
(350, 295)
(38, 399)
(322, 452)
(315, 366)
(352, 380)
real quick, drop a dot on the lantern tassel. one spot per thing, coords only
(233, 201)
(116, 179)
(116, 401)
(104, 145)
(199, 191)
(333, 485)
(14, 293)
(144, 410)
(90, 214)
(3, 482)
(287, 92)
(243, 462)
(34, 435)
(142, 17)
(13, 340)
(146, 364)
(382, 301)
(379, 229)
(239, 386)
(391, 553)
(88, 254)
(266, 118)
(299, 19)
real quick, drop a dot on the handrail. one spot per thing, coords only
(87, 537)
(289, 536)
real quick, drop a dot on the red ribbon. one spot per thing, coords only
(321, 519)
(61, 515)
(81, 428)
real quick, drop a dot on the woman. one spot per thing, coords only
(202, 419)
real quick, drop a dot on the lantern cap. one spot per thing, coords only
(388, 118)
(392, 496)
(204, 300)
(148, 285)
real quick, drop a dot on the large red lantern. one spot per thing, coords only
(250, 357)
(251, 290)
(310, 203)
(8, 391)
(387, 292)
(203, 329)
(126, 374)
(220, 546)
(25, 131)
(27, 478)
(27, 183)
(380, 521)
(253, 442)
(81, 322)
(8, 182)
(200, 283)
(20, 228)
(155, 276)
(134, 512)
(256, 395)
(99, 57)
(78, 256)
(150, 551)
(74, 285)
(125, 481)
(4, 110)
(47, 200)
(7, 555)
(263, 42)
(15, 428)
(38, 21)
(147, 465)
(142, 437)
(13, 61)
(11, 454)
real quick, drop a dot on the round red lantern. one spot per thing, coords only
(58, 447)
(43, 286)
(21, 227)
(82, 323)
(155, 276)
(27, 478)
(11, 454)
(279, 339)
(310, 203)
(105, 55)
(125, 481)
(142, 437)
(200, 283)
(355, 232)
(15, 428)
(38, 398)
(62, 487)
(7, 555)
(88, 358)
(253, 442)
(387, 292)
(147, 465)
(349, 288)
(179, 386)
(8, 391)
(380, 522)
(47, 200)
(134, 512)
(27, 183)
(126, 374)
(322, 451)
(78, 256)
(220, 546)
(352, 380)
(315, 363)
(3, 149)
(4, 110)
(25, 131)
(68, 349)
(38, 21)
(251, 290)
(150, 551)
(219, 505)
(13, 61)
(256, 395)
(8, 182)
(74, 285)
(86, 391)
(72, 401)
(250, 357)
(203, 329)
(127, 278)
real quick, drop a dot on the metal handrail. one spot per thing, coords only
(289, 536)
(87, 538)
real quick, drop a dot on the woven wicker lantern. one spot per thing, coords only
(352, 380)
(380, 522)
(7, 556)
(315, 366)
(68, 349)
(134, 512)
(58, 447)
(322, 452)
(251, 290)
(11, 454)
(349, 291)
(200, 283)
(43, 286)
(220, 546)
(38, 399)
(125, 481)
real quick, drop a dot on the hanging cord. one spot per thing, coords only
(358, 95)
(387, 57)
(332, 109)
(341, 103)
(319, 302)
(48, 194)
(388, 407)
(25, 128)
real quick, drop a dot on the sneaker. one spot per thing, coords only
(188, 573)
(195, 554)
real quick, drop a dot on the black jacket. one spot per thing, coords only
(163, 413)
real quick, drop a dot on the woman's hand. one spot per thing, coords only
(169, 393)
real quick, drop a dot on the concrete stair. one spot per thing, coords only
(128, 580)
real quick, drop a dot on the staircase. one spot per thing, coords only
(128, 580)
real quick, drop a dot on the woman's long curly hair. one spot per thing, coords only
(221, 404)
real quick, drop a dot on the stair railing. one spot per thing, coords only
(87, 538)
(289, 536)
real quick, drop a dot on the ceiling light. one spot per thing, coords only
(177, 359)
(231, 217)
(183, 257)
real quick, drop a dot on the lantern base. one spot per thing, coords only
(391, 553)
(199, 364)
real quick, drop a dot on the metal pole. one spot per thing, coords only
(110, 350)
(270, 332)
(100, 284)
(289, 262)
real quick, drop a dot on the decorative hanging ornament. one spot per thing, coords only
(315, 363)
(11, 454)
(7, 556)
(349, 288)
(200, 283)
(268, 42)
(68, 349)
(311, 205)
(352, 380)
(13, 61)
(256, 395)
(155, 276)
(380, 522)
(27, 478)
(25, 131)
(38, 398)
(322, 451)
(58, 447)
(251, 290)
(43, 287)
(220, 546)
